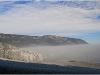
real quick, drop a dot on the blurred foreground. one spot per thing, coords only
(61, 67)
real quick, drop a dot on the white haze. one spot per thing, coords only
(88, 53)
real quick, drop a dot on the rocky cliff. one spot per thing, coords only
(14, 53)
(24, 40)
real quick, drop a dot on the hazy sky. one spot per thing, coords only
(75, 18)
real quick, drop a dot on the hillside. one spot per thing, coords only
(25, 40)
(13, 53)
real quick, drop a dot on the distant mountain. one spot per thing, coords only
(25, 40)
(14, 53)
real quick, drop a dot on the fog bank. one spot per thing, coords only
(86, 53)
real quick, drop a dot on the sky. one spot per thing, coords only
(66, 18)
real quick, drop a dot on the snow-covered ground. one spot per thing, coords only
(46, 67)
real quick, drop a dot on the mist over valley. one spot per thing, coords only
(87, 53)
(55, 48)
(47, 54)
(49, 37)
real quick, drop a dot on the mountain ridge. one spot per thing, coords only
(26, 40)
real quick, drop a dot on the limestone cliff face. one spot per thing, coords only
(14, 53)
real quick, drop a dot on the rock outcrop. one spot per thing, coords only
(14, 53)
